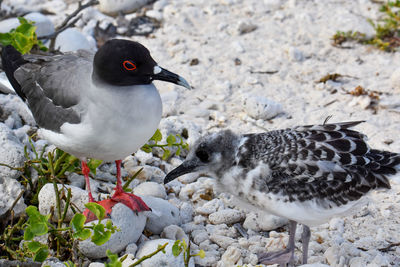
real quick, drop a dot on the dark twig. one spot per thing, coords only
(389, 248)
(69, 22)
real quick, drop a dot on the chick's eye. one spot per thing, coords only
(128, 65)
(202, 155)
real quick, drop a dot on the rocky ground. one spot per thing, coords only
(255, 66)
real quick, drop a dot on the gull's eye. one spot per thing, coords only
(202, 155)
(128, 65)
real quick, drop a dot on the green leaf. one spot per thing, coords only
(28, 235)
(98, 210)
(34, 246)
(178, 151)
(23, 20)
(37, 223)
(93, 164)
(27, 29)
(171, 139)
(146, 148)
(6, 38)
(39, 228)
(83, 234)
(110, 226)
(176, 248)
(33, 213)
(157, 136)
(166, 154)
(22, 43)
(114, 262)
(78, 222)
(100, 236)
(41, 255)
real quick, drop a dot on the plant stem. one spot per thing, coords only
(59, 161)
(50, 157)
(149, 255)
(66, 204)
(131, 179)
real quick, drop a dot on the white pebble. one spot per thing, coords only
(259, 107)
(131, 227)
(227, 216)
(166, 259)
(163, 214)
(150, 189)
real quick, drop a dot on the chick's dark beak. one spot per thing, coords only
(186, 167)
(167, 76)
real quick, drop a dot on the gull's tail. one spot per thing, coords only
(12, 60)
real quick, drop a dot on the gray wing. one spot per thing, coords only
(325, 162)
(53, 85)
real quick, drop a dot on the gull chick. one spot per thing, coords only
(307, 174)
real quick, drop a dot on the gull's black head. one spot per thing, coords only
(124, 62)
(213, 153)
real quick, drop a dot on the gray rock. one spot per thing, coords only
(149, 173)
(13, 104)
(9, 191)
(111, 7)
(227, 216)
(150, 189)
(210, 207)
(161, 259)
(222, 241)
(47, 199)
(76, 180)
(71, 40)
(199, 236)
(163, 214)
(11, 153)
(245, 27)
(263, 221)
(43, 24)
(174, 232)
(131, 249)
(231, 256)
(131, 227)
(259, 107)
(53, 262)
(5, 85)
(186, 212)
(96, 264)
(295, 54)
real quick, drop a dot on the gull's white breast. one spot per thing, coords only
(116, 121)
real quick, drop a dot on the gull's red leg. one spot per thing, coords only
(86, 171)
(134, 202)
(118, 188)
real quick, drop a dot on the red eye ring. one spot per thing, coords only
(128, 65)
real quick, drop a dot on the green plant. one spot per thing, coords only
(38, 225)
(387, 31)
(180, 246)
(51, 167)
(171, 142)
(23, 38)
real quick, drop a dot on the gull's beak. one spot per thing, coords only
(167, 76)
(186, 167)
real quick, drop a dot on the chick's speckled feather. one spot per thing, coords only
(307, 174)
(329, 162)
